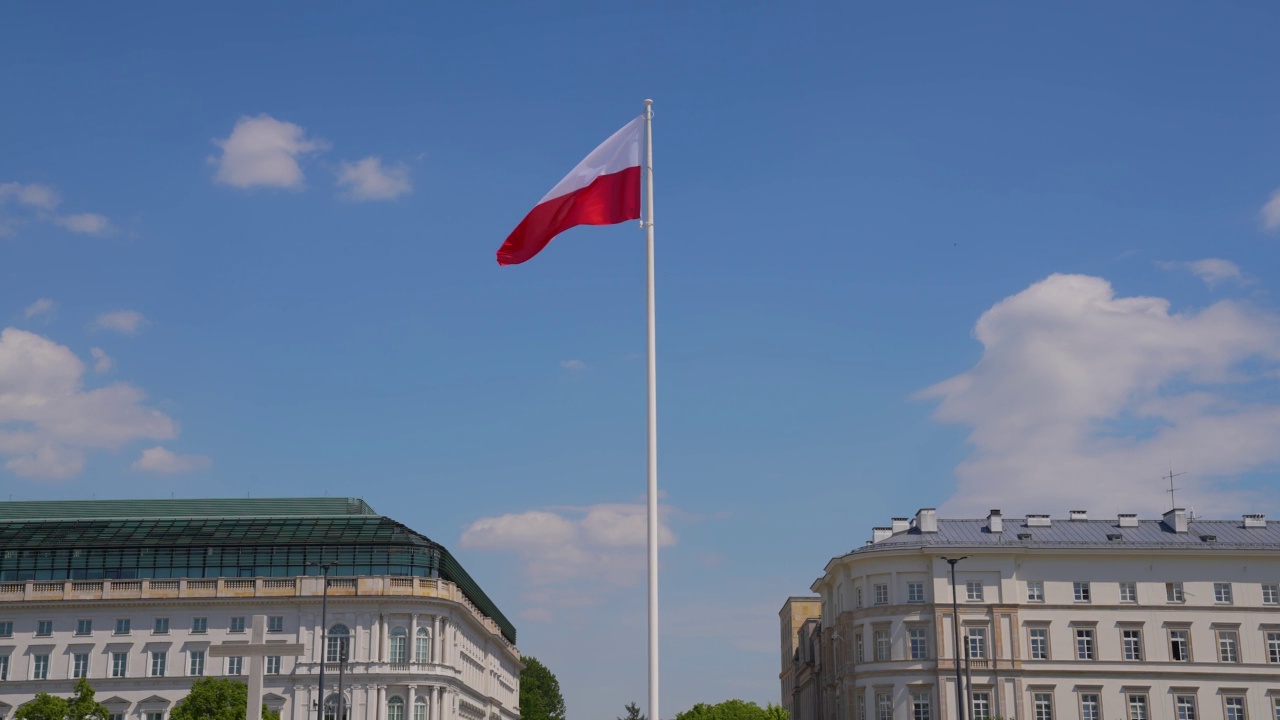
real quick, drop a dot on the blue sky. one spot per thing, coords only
(971, 257)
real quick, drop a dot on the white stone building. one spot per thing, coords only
(133, 595)
(1064, 619)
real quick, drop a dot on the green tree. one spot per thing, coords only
(80, 706)
(733, 710)
(540, 697)
(217, 699)
(633, 712)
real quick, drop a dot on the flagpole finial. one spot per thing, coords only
(648, 102)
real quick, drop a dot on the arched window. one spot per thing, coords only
(395, 708)
(420, 708)
(331, 708)
(399, 646)
(338, 645)
(422, 653)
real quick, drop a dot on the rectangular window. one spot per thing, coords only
(1222, 593)
(1275, 706)
(275, 623)
(235, 665)
(1137, 706)
(1173, 592)
(4, 667)
(1039, 643)
(1035, 591)
(1042, 705)
(84, 627)
(1273, 649)
(115, 716)
(915, 592)
(237, 625)
(861, 700)
(154, 716)
(1128, 592)
(80, 665)
(973, 591)
(273, 664)
(119, 664)
(857, 596)
(1271, 594)
(1082, 592)
(1186, 707)
(122, 626)
(1179, 646)
(921, 706)
(1084, 643)
(919, 640)
(6, 629)
(977, 639)
(40, 667)
(196, 667)
(199, 625)
(1228, 646)
(44, 628)
(882, 645)
(1131, 642)
(161, 627)
(857, 648)
(1090, 707)
(158, 662)
(982, 706)
(1234, 708)
(884, 706)
(882, 594)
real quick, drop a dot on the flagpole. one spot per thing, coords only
(653, 423)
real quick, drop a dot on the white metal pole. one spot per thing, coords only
(653, 424)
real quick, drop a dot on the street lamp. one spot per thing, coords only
(324, 631)
(955, 630)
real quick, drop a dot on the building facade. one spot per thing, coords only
(1056, 619)
(134, 596)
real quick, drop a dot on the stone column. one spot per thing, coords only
(411, 652)
(435, 638)
(384, 640)
(410, 697)
(380, 713)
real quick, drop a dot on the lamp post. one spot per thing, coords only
(342, 665)
(324, 631)
(955, 630)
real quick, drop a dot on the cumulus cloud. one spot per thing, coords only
(1271, 212)
(44, 307)
(573, 365)
(34, 195)
(1082, 398)
(125, 322)
(160, 460)
(47, 417)
(88, 223)
(369, 179)
(36, 202)
(102, 362)
(571, 556)
(1213, 271)
(264, 151)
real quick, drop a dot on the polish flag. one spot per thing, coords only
(604, 189)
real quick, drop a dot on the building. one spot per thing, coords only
(1062, 619)
(134, 596)
(799, 624)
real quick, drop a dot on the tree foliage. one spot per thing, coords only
(217, 699)
(733, 710)
(633, 712)
(540, 697)
(80, 706)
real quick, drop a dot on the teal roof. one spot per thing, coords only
(218, 507)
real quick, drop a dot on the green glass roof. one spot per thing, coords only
(218, 507)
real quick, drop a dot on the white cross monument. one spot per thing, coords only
(255, 649)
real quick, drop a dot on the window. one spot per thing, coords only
(1131, 644)
(1035, 591)
(420, 708)
(1128, 592)
(122, 626)
(1228, 646)
(80, 665)
(1273, 649)
(861, 700)
(40, 667)
(884, 706)
(881, 594)
(422, 653)
(918, 638)
(199, 625)
(395, 708)
(857, 648)
(1179, 646)
(1173, 592)
(158, 662)
(1186, 705)
(1270, 594)
(6, 629)
(237, 625)
(977, 639)
(921, 706)
(982, 706)
(915, 592)
(1222, 593)
(1234, 707)
(1137, 706)
(399, 646)
(331, 708)
(857, 596)
(196, 667)
(1042, 705)
(115, 716)
(153, 716)
(273, 664)
(1090, 707)
(882, 645)
(235, 665)
(1084, 644)
(1039, 643)
(4, 667)
(161, 627)
(84, 627)
(973, 591)
(119, 664)
(1082, 592)
(44, 628)
(1275, 703)
(336, 647)
(275, 623)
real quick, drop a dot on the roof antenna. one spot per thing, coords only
(1172, 502)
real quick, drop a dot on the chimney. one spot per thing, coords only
(881, 533)
(1257, 520)
(1038, 521)
(927, 520)
(1079, 514)
(1176, 520)
(995, 522)
(901, 525)
(1128, 520)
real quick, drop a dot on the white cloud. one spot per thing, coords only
(125, 322)
(34, 195)
(48, 419)
(368, 179)
(160, 460)
(1271, 212)
(88, 223)
(102, 362)
(36, 202)
(1213, 271)
(1082, 398)
(44, 307)
(573, 365)
(263, 151)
